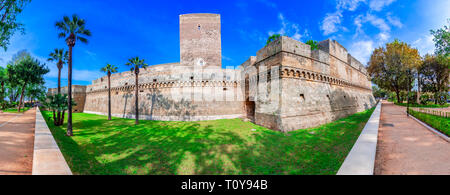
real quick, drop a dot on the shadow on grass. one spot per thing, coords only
(209, 147)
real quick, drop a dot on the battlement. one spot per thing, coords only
(327, 49)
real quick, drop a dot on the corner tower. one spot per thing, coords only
(200, 40)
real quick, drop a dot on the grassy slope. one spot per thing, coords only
(440, 123)
(208, 147)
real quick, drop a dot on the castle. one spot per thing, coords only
(286, 86)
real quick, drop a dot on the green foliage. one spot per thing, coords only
(434, 74)
(59, 56)
(272, 38)
(119, 147)
(393, 67)
(73, 29)
(135, 64)
(441, 124)
(58, 104)
(314, 44)
(424, 99)
(9, 9)
(109, 69)
(27, 71)
(379, 93)
(441, 97)
(442, 40)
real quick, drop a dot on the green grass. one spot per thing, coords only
(441, 124)
(423, 106)
(207, 147)
(14, 110)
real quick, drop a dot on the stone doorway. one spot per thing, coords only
(250, 109)
(249, 105)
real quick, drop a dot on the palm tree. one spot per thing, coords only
(108, 69)
(72, 29)
(60, 57)
(135, 64)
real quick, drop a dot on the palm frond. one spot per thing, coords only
(82, 39)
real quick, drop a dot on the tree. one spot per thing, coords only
(9, 9)
(27, 71)
(57, 103)
(272, 38)
(135, 64)
(392, 67)
(60, 57)
(378, 93)
(108, 69)
(3, 80)
(442, 40)
(434, 74)
(72, 29)
(314, 44)
(35, 91)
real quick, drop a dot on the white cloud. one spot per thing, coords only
(378, 5)
(424, 44)
(350, 5)
(377, 22)
(289, 29)
(383, 36)
(331, 22)
(362, 50)
(394, 21)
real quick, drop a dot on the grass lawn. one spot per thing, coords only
(423, 106)
(14, 110)
(207, 147)
(441, 124)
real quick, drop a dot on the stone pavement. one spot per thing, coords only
(16, 143)
(407, 148)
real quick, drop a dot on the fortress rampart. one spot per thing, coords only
(285, 87)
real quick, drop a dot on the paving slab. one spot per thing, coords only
(405, 147)
(48, 159)
(16, 143)
(361, 158)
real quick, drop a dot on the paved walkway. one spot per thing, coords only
(407, 148)
(16, 143)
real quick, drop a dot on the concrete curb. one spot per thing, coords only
(433, 130)
(47, 158)
(361, 159)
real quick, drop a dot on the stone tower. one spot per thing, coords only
(200, 40)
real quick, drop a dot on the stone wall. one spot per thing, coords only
(313, 87)
(183, 94)
(200, 40)
(78, 95)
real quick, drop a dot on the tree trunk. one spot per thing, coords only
(69, 92)
(137, 96)
(418, 89)
(55, 122)
(62, 118)
(398, 96)
(59, 80)
(109, 96)
(59, 90)
(21, 97)
(2, 95)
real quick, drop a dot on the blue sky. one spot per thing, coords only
(150, 29)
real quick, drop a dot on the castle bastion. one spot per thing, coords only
(285, 87)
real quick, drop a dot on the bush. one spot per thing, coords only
(424, 99)
(441, 97)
